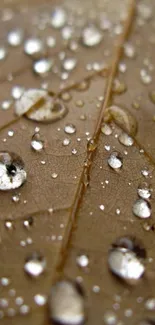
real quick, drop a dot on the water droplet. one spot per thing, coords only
(24, 309)
(17, 92)
(54, 175)
(115, 160)
(67, 303)
(6, 104)
(129, 50)
(37, 143)
(126, 259)
(69, 64)
(83, 85)
(16, 198)
(43, 66)
(144, 11)
(12, 172)
(3, 53)
(35, 265)
(110, 318)
(40, 299)
(28, 222)
(125, 139)
(34, 47)
(39, 106)
(145, 77)
(67, 32)
(82, 260)
(102, 207)
(91, 145)
(58, 17)
(91, 36)
(70, 128)
(144, 191)
(5, 282)
(122, 117)
(150, 304)
(15, 37)
(106, 129)
(119, 87)
(66, 142)
(141, 209)
(11, 133)
(9, 224)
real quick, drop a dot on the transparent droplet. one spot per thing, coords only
(17, 92)
(6, 104)
(91, 36)
(91, 145)
(15, 37)
(34, 47)
(16, 198)
(40, 299)
(70, 128)
(69, 64)
(9, 224)
(66, 303)
(39, 106)
(119, 87)
(144, 191)
(106, 129)
(43, 66)
(50, 41)
(141, 209)
(83, 85)
(122, 117)
(125, 139)
(12, 172)
(144, 10)
(35, 265)
(126, 259)
(24, 309)
(129, 50)
(58, 17)
(82, 260)
(36, 142)
(66, 142)
(115, 161)
(145, 77)
(3, 53)
(5, 281)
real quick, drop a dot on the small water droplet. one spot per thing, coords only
(150, 304)
(12, 172)
(126, 259)
(115, 160)
(28, 222)
(83, 85)
(69, 64)
(16, 198)
(67, 303)
(106, 129)
(141, 209)
(91, 145)
(15, 37)
(91, 35)
(9, 224)
(35, 265)
(54, 175)
(82, 260)
(34, 47)
(58, 17)
(119, 87)
(6, 104)
(110, 318)
(17, 92)
(70, 128)
(40, 299)
(24, 309)
(43, 66)
(125, 139)
(102, 207)
(3, 53)
(145, 77)
(144, 191)
(129, 50)
(37, 143)
(66, 142)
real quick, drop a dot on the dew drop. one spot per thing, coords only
(141, 209)
(115, 160)
(17, 92)
(66, 142)
(91, 145)
(122, 117)
(150, 304)
(37, 143)
(83, 85)
(91, 36)
(106, 129)
(69, 64)
(110, 318)
(66, 303)
(34, 47)
(6, 104)
(15, 37)
(35, 265)
(129, 50)
(12, 172)
(70, 128)
(16, 198)
(9, 224)
(28, 222)
(82, 261)
(42, 66)
(126, 259)
(40, 299)
(145, 77)
(58, 17)
(144, 191)
(125, 139)
(40, 107)
(3, 53)
(119, 87)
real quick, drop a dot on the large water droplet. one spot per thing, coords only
(144, 191)
(142, 209)
(115, 160)
(125, 139)
(91, 36)
(39, 106)
(37, 143)
(58, 17)
(126, 259)
(12, 172)
(67, 303)
(35, 265)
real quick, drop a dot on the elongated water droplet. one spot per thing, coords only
(126, 259)
(37, 143)
(125, 139)
(91, 36)
(115, 160)
(66, 303)
(35, 265)
(12, 172)
(141, 209)
(58, 17)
